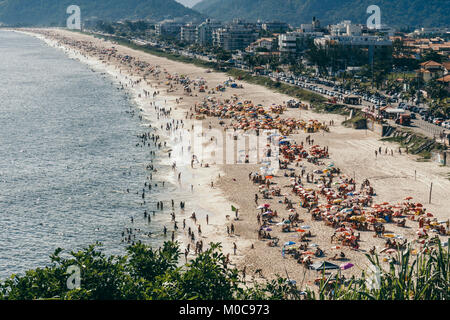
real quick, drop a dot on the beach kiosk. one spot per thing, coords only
(352, 99)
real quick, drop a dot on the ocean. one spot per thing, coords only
(68, 155)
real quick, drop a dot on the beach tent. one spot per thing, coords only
(323, 265)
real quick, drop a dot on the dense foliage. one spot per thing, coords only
(53, 12)
(397, 13)
(423, 277)
(145, 273)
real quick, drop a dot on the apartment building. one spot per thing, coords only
(275, 26)
(345, 28)
(235, 36)
(205, 32)
(189, 33)
(289, 43)
(347, 40)
(168, 28)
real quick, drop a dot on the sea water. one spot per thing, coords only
(68, 155)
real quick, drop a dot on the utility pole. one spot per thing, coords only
(431, 189)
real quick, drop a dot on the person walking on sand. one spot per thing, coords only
(234, 247)
(207, 219)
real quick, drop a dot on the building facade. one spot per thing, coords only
(289, 43)
(205, 32)
(275, 26)
(362, 40)
(168, 28)
(235, 36)
(188, 33)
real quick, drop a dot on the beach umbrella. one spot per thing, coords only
(421, 232)
(346, 266)
(336, 247)
(300, 230)
(289, 243)
(266, 205)
(408, 198)
(305, 227)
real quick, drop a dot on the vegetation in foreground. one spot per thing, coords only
(145, 273)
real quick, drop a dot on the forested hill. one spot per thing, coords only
(53, 12)
(393, 12)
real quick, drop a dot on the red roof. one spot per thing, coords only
(430, 63)
(445, 79)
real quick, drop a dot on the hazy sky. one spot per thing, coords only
(188, 3)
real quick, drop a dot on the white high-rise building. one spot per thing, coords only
(189, 33)
(235, 36)
(205, 32)
(288, 42)
(345, 28)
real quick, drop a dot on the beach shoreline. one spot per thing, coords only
(393, 178)
(214, 232)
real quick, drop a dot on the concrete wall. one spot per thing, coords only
(441, 158)
(379, 129)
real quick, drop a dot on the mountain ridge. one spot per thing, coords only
(398, 13)
(53, 12)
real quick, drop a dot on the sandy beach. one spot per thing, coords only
(218, 187)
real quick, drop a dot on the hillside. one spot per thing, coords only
(395, 13)
(53, 12)
(188, 3)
